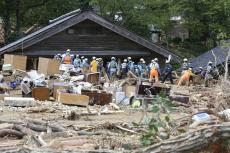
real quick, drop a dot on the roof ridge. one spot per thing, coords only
(65, 15)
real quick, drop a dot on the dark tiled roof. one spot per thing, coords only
(220, 52)
(76, 17)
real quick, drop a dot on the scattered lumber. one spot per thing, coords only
(193, 140)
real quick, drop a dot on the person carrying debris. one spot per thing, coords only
(209, 74)
(77, 62)
(130, 64)
(124, 69)
(167, 72)
(186, 77)
(67, 59)
(112, 67)
(93, 65)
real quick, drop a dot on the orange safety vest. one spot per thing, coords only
(67, 59)
(186, 76)
(154, 72)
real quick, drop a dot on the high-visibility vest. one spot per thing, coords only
(67, 60)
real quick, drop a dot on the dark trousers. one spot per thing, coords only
(168, 75)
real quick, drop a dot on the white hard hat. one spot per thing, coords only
(200, 67)
(68, 50)
(156, 59)
(97, 59)
(210, 62)
(152, 61)
(141, 59)
(113, 58)
(77, 55)
(82, 57)
(185, 59)
(144, 62)
(125, 60)
(94, 57)
(129, 58)
(86, 59)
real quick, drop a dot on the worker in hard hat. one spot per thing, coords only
(200, 72)
(124, 69)
(149, 67)
(93, 65)
(100, 65)
(67, 58)
(185, 65)
(77, 62)
(140, 67)
(82, 60)
(158, 66)
(112, 67)
(209, 73)
(186, 77)
(143, 69)
(130, 64)
(154, 72)
(167, 72)
(85, 65)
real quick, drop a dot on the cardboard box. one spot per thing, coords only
(41, 93)
(48, 66)
(72, 99)
(93, 78)
(17, 62)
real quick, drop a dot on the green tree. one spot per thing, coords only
(205, 18)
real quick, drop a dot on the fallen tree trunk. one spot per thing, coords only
(193, 140)
(38, 128)
(10, 132)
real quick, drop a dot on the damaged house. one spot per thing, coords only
(217, 55)
(88, 34)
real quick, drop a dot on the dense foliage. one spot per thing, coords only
(205, 19)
